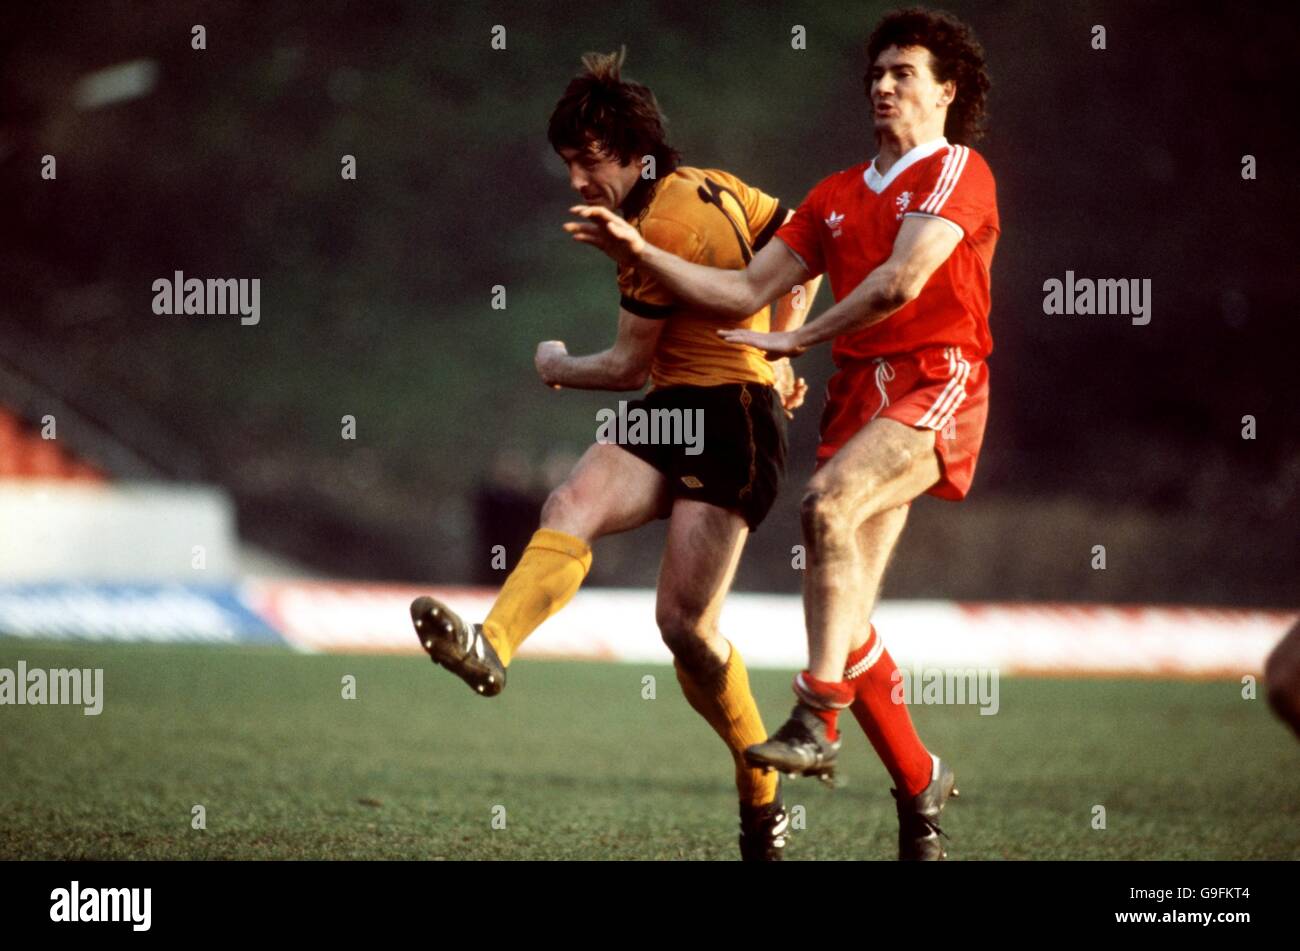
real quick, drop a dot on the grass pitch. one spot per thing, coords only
(580, 766)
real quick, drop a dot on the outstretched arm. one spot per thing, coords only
(921, 246)
(624, 366)
(791, 310)
(735, 294)
(789, 313)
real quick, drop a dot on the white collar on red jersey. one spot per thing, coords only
(878, 183)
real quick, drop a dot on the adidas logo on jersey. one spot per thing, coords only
(834, 222)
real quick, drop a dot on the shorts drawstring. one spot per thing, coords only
(884, 373)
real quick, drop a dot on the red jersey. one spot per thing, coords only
(846, 228)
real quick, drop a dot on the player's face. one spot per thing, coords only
(598, 177)
(905, 96)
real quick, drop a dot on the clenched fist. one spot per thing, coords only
(790, 388)
(550, 353)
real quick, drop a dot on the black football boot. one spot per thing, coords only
(763, 831)
(919, 837)
(458, 646)
(798, 748)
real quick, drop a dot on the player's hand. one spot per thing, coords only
(550, 353)
(790, 388)
(775, 345)
(605, 230)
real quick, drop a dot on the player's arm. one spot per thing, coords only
(791, 310)
(624, 366)
(734, 294)
(789, 313)
(921, 246)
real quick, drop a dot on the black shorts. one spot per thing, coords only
(740, 459)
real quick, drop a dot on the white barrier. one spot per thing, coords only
(125, 532)
(618, 624)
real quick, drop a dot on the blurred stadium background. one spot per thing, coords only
(197, 487)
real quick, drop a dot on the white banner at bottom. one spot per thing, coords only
(619, 625)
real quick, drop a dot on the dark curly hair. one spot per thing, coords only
(622, 117)
(955, 54)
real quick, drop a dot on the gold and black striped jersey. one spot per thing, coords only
(709, 217)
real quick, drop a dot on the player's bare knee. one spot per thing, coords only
(563, 510)
(677, 622)
(825, 518)
(685, 632)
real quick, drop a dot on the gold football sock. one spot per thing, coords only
(728, 706)
(548, 574)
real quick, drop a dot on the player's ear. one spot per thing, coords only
(949, 93)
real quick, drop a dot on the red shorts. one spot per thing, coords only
(935, 388)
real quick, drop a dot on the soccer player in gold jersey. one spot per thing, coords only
(714, 488)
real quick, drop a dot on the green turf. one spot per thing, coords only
(586, 768)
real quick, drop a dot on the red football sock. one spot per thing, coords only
(826, 698)
(870, 671)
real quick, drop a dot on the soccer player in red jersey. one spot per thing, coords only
(907, 240)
